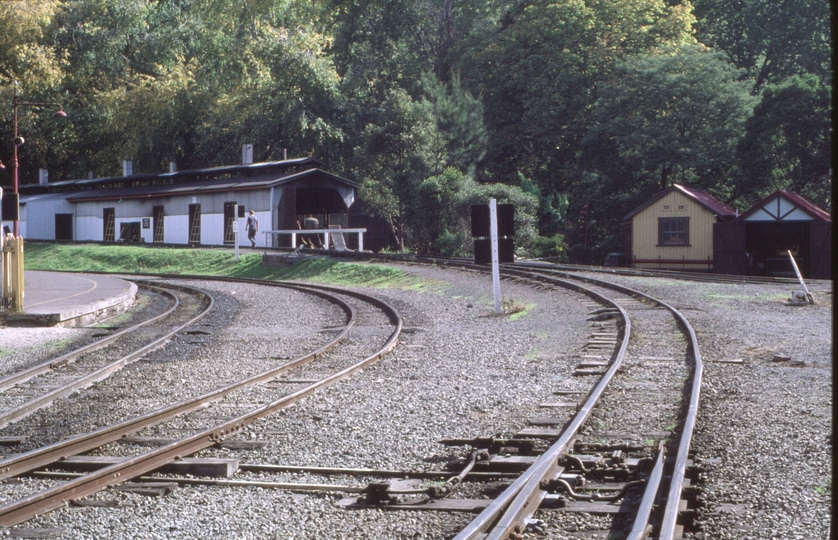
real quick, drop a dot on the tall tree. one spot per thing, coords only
(459, 134)
(31, 63)
(25, 51)
(673, 116)
(203, 77)
(772, 40)
(788, 142)
(539, 74)
(391, 160)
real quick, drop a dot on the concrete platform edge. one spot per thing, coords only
(82, 315)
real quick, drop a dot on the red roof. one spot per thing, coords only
(818, 214)
(706, 200)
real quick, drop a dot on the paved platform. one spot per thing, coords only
(59, 299)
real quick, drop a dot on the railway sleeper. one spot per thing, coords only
(494, 445)
(208, 467)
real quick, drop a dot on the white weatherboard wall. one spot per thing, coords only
(212, 228)
(88, 216)
(45, 206)
(175, 229)
(89, 229)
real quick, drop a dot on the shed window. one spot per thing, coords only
(674, 231)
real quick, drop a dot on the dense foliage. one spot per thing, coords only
(573, 110)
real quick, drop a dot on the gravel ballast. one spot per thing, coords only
(763, 434)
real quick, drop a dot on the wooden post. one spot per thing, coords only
(6, 261)
(809, 296)
(17, 274)
(13, 273)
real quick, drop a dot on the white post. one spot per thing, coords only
(236, 237)
(493, 235)
(236, 229)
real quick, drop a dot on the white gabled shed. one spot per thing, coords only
(198, 207)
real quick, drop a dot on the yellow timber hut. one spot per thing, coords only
(674, 230)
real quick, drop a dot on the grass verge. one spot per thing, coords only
(211, 262)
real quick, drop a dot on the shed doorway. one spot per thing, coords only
(230, 210)
(130, 232)
(194, 224)
(63, 226)
(109, 224)
(311, 208)
(158, 224)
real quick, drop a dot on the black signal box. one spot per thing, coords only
(483, 251)
(480, 220)
(10, 207)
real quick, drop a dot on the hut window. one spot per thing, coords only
(674, 231)
(682, 207)
(665, 207)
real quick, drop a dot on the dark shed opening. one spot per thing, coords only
(768, 244)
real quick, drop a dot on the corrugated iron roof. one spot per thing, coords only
(205, 186)
(184, 176)
(706, 200)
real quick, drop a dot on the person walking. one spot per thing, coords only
(252, 226)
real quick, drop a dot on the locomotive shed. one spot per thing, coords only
(766, 399)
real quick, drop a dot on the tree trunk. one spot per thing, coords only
(396, 232)
(664, 175)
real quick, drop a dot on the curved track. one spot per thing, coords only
(510, 514)
(95, 362)
(37, 503)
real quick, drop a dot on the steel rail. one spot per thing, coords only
(525, 495)
(45, 455)
(623, 271)
(287, 486)
(33, 371)
(507, 515)
(25, 409)
(672, 500)
(671, 510)
(641, 528)
(38, 503)
(660, 273)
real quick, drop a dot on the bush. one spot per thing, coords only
(553, 246)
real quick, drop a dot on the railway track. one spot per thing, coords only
(612, 443)
(237, 398)
(554, 474)
(660, 372)
(30, 389)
